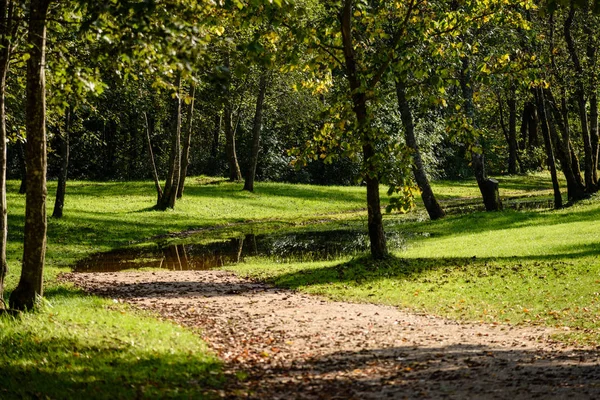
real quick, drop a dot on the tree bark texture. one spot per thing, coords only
(59, 201)
(185, 156)
(34, 252)
(541, 106)
(256, 129)
(359, 102)
(432, 206)
(169, 196)
(487, 187)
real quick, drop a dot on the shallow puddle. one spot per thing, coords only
(303, 246)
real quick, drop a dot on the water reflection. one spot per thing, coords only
(304, 246)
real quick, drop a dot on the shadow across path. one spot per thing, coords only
(281, 344)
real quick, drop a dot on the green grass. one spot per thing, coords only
(82, 346)
(524, 267)
(528, 267)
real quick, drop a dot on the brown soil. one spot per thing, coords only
(296, 346)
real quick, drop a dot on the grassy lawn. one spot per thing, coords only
(78, 345)
(536, 267)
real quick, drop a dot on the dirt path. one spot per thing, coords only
(295, 346)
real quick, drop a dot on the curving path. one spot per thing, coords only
(296, 346)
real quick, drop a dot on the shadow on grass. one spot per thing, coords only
(479, 222)
(364, 269)
(61, 368)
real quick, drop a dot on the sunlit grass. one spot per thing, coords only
(535, 267)
(538, 267)
(78, 346)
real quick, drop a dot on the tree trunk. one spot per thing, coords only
(432, 206)
(185, 157)
(61, 189)
(169, 196)
(593, 90)
(235, 174)
(581, 103)
(541, 106)
(512, 131)
(5, 50)
(214, 147)
(359, 102)
(594, 133)
(21, 156)
(487, 187)
(159, 191)
(575, 186)
(256, 128)
(34, 252)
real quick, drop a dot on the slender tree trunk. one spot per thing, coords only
(256, 128)
(61, 189)
(185, 157)
(581, 102)
(235, 174)
(359, 101)
(432, 206)
(575, 186)
(172, 182)
(34, 252)
(593, 90)
(512, 131)
(487, 187)
(594, 133)
(524, 125)
(541, 106)
(214, 147)
(21, 156)
(5, 50)
(159, 191)
(506, 136)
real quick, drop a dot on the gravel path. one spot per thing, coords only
(296, 346)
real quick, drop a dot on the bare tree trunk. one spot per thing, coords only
(256, 128)
(159, 191)
(432, 206)
(575, 186)
(5, 50)
(21, 156)
(172, 182)
(581, 103)
(487, 187)
(593, 89)
(34, 252)
(539, 95)
(512, 131)
(185, 157)
(235, 174)
(59, 201)
(214, 147)
(359, 101)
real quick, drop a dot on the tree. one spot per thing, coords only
(9, 26)
(256, 129)
(31, 282)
